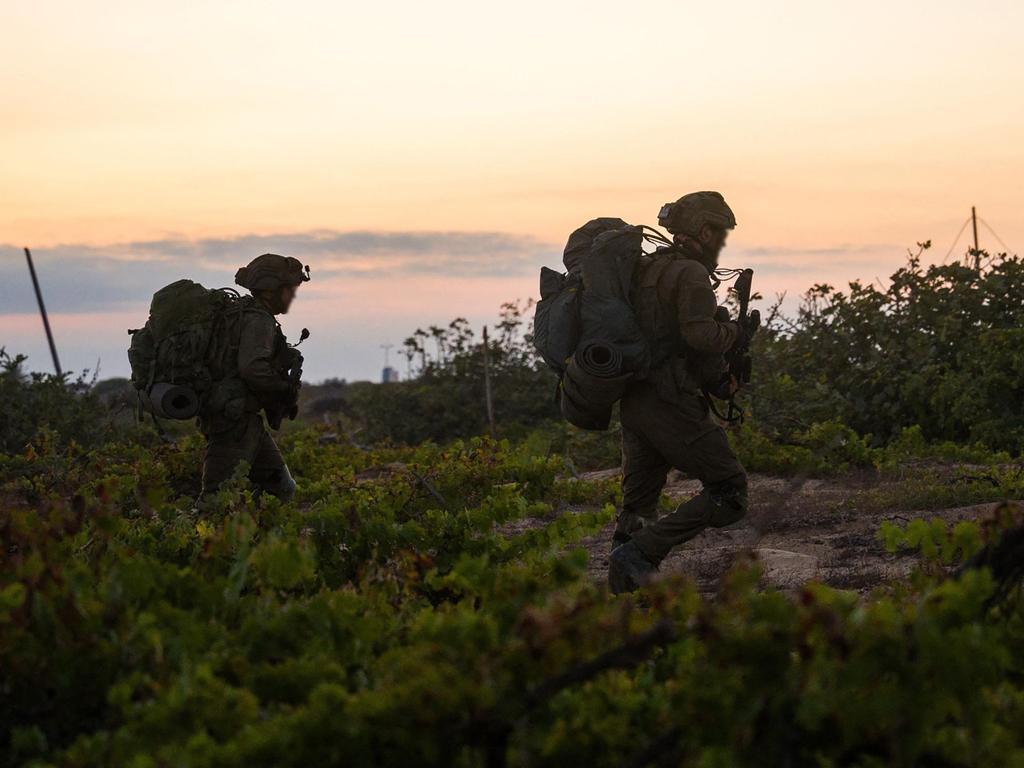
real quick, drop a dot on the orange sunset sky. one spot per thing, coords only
(427, 158)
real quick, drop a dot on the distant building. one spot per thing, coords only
(389, 375)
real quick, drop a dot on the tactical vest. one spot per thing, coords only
(230, 398)
(674, 368)
(226, 355)
(656, 317)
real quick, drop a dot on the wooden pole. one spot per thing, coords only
(487, 385)
(42, 311)
(977, 252)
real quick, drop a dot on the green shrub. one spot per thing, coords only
(40, 403)
(398, 607)
(937, 348)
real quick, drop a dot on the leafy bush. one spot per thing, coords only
(939, 348)
(445, 396)
(825, 448)
(37, 403)
(429, 602)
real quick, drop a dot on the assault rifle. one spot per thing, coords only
(290, 367)
(738, 357)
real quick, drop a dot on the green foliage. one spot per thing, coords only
(580, 449)
(36, 404)
(830, 448)
(825, 448)
(444, 396)
(911, 445)
(429, 601)
(935, 539)
(937, 348)
(936, 486)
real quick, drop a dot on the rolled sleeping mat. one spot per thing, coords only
(596, 419)
(595, 376)
(173, 401)
(597, 358)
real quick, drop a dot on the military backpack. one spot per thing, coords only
(585, 327)
(180, 353)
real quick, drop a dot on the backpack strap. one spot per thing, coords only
(230, 321)
(647, 302)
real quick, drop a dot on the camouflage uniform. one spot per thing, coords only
(253, 380)
(666, 421)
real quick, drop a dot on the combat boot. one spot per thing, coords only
(629, 568)
(628, 524)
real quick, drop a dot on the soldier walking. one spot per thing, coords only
(666, 420)
(260, 375)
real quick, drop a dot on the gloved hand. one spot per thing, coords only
(753, 323)
(746, 330)
(722, 315)
(741, 335)
(726, 387)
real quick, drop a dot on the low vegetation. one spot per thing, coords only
(394, 609)
(400, 609)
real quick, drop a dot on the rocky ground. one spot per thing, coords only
(800, 530)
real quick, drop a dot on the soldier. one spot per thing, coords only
(665, 417)
(260, 375)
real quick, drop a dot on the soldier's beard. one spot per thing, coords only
(696, 250)
(710, 253)
(275, 302)
(707, 257)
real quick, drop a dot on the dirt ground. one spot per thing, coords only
(800, 529)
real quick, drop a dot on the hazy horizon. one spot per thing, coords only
(426, 160)
(368, 289)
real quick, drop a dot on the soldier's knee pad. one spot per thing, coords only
(728, 501)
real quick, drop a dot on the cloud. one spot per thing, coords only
(776, 251)
(845, 259)
(83, 278)
(123, 276)
(369, 288)
(790, 271)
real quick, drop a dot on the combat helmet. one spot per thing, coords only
(690, 212)
(270, 272)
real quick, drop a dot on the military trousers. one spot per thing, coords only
(247, 441)
(657, 436)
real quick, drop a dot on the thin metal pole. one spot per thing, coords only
(977, 252)
(42, 311)
(487, 385)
